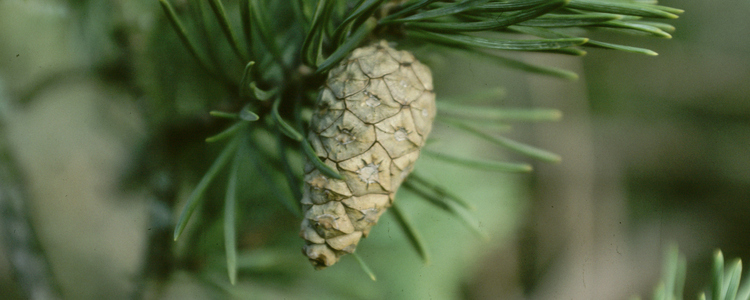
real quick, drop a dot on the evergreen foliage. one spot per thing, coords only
(267, 60)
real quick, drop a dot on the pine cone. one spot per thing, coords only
(372, 118)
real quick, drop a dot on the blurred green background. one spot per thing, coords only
(655, 149)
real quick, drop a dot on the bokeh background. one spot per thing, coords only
(655, 150)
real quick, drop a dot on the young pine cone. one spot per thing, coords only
(371, 119)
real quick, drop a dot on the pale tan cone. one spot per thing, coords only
(372, 118)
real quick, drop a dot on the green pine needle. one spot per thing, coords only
(448, 206)
(223, 115)
(247, 115)
(451, 9)
(578, 20)
(230, 235)
(292, 179)
(365, 267)
(285, 128)
(366, 8)
(310, 46)
(350, 44)
(626, 8)
(493, 94)
(660, 293)
(520, 148)
(623, 48)
(499, 44)
(268, 174)
(743, 293)
(261, 94)
(267, 36)
(673, 274)
(414, 237)
(731, 287)
(726, 283)
(246, 79)
(221, 16)
(638, 27)
(480, 164)
(419, 179)
(490, 22)
(197, 195)
(511, 5)
(320, 165)
(663, 26)
(526, 67)
(231, 131)
(546, 33)
(717, 280)
(183, 34)
(247, 30)
(497, 114)
(405, 10)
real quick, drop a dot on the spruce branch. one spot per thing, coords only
(286, 62)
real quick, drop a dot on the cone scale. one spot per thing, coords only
(371, 119)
